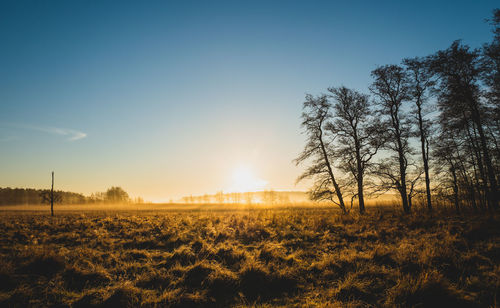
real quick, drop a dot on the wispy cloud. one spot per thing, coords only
(69, 134)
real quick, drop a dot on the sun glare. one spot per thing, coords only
(244, 179)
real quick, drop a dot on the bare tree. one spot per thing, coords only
(50, 196)
(357, 137)
(491, 78)
(420, 82)
(315, 117)
(390, 87)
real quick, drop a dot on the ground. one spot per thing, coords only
(248, 257)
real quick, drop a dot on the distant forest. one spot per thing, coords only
(19, 196)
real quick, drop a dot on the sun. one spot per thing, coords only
(243, 180)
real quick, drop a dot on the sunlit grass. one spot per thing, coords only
(245, 257)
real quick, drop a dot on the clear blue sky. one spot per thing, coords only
(167, 98)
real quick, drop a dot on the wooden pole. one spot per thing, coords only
(52, 196)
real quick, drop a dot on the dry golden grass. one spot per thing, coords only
(248, 257)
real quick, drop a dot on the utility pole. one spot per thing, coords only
(52, 196)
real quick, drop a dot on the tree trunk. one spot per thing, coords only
(424, 157)
(52, 196)
(455, 189)
(477, 153)
(468, 183)
(402, 172)
(492, 192)
(361, 197)
(476, 185)
(359, 166)
(402, 160)
(330, 172)
(473, 198)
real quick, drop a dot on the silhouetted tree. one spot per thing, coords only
(391, 89)
(459, 71)
(491, 63)
(50, 196)
(316, 115)
(491, 78)
(358, 135)
(420, 82)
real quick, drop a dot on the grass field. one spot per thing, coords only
(222, 256)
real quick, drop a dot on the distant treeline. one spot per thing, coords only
(429, 130)
(18, 196)
(266, 196)
(15, 196)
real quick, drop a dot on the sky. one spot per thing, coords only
(171, 98)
